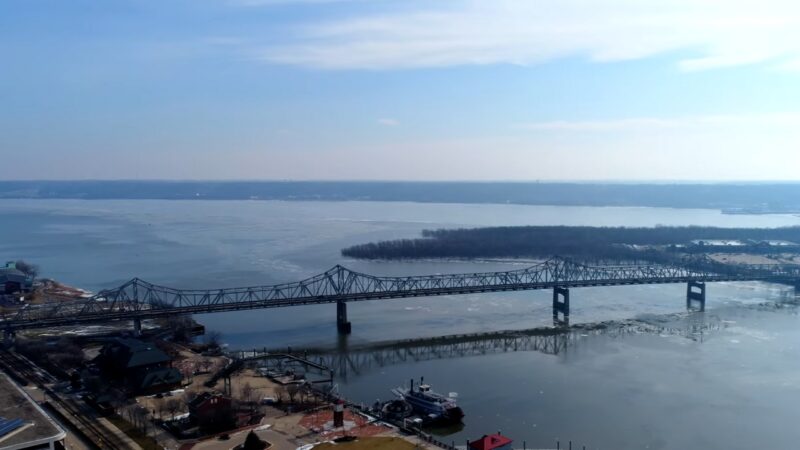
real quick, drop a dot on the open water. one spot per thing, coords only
(656, 377)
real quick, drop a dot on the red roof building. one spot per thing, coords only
(491, 442)
(213, 412)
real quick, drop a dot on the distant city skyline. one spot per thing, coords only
(498, 90)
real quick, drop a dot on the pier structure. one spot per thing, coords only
(342, 325)
(560, 306)
(696, 295)
(138, 300)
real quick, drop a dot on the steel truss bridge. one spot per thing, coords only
(137, 299)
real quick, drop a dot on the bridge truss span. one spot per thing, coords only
(138, 299)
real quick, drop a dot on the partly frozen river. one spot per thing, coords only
(725, 379)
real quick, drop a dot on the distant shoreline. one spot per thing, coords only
(775, 198)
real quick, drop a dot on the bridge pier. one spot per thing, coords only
(137, 327)
(696, 292)
(9, 338)
(560, 306)
(342, 324)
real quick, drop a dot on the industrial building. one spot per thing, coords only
(13, 280)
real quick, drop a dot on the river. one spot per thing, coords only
(727, 378)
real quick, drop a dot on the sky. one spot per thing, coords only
(400, 90)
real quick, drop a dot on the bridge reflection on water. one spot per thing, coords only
(347, 360)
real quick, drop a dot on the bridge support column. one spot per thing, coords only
(342, 324)
(696, 292)
(137, 327)
(560, 305)
(9, 338)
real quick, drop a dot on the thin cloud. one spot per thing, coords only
(282, 2)
(388, 122)
(477, 32)
(781, 120)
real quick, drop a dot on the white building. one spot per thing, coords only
(24, 425)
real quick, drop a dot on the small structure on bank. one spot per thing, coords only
(141, 367)
(491, 442)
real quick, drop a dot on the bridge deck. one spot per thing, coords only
(138, 299)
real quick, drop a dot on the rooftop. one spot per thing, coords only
(490, 442)
(13, 273)
(135, 353)
(36, 427)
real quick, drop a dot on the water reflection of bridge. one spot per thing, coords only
(354, 360)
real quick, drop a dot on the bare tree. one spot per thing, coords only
(206, 364)
(140, 416)
(214, 339)
(307, 393)
(292, 390)
(118, 399)
(173, 405)
(31, 270)
(181, 327)
(280, 392)
(162, 409)
(247, 394)
(189, 396)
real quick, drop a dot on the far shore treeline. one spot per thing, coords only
(582, 241)
(750, 198)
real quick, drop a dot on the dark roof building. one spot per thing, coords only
(143, 367)
(125, 354)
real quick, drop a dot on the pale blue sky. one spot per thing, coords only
(412, 90)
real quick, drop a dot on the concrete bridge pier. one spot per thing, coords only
(342, 324)
(137, 327)
(9, 338)
(560, 305)
(696, 292)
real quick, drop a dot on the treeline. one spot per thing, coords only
(542, 241)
